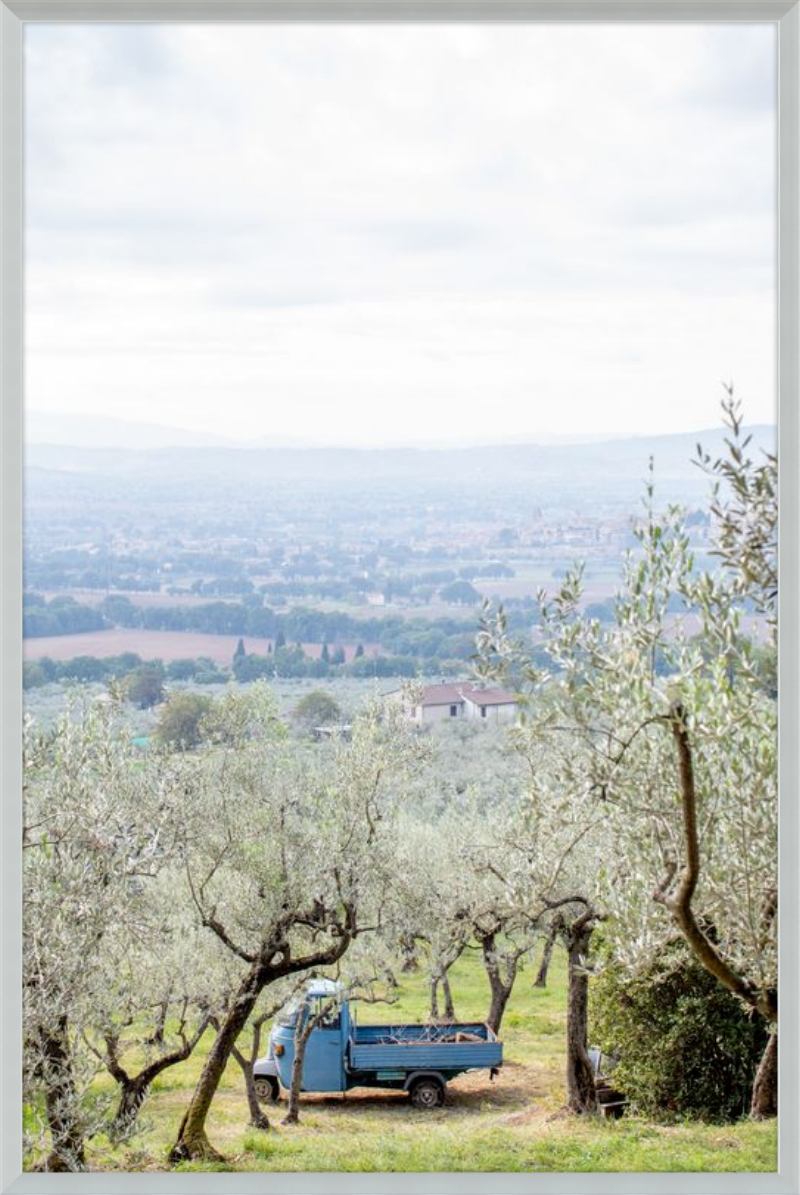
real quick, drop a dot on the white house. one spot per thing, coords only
(489, 705)
(461, 699)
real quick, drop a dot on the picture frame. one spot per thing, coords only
(14, 14)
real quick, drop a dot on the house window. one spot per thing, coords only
(453, 711)
(483, 711)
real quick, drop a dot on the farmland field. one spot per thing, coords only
(158, 645)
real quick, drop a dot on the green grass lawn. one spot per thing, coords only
(512, 1124)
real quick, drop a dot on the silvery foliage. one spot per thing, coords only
(464, 875)
(434, 886)
(502, 864)
(170, 975)
(96, 834)
(130, 858)
(744, 507)
(267, 829)
(599, 717)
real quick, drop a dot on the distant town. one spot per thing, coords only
(317, 563)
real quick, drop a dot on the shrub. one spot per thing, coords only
(180, 720)
(145, 686)
(316, 709)
(687, 1047)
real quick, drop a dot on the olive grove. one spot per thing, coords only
(660, 724)
(182, 895)
(285, 859)
(164, 894)
(96, 839)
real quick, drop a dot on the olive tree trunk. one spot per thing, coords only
(676, 894)
(581, 1092)
(408, 947)
(433, 1011)
(500, 985)
(449, 1007)
(302, 1033)
(547, 954)
(441, 979)
(765, 1088)
(134, 1089)
(258, 1117)
(192, 1142)
(67, 1152)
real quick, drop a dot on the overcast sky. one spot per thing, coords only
(383, 234)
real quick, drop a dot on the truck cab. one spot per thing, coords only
(323, 1064)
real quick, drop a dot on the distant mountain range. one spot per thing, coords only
(67, 450)
(584, 476)
(97, 431)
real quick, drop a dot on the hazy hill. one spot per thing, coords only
(93, 431)
(606, 463)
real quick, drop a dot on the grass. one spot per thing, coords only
(513, 1124)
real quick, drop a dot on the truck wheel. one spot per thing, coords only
(267, 1089)
(427, 1093)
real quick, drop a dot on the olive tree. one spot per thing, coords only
(432, 891)
(284, 858)
(96, 833)
(260, 1090)
(163, 988)
(672, 736)
(536, 866)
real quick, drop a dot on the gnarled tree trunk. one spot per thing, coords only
(500, 987)
(576, 934)
(258, 1117)
(134, 1089)
(679, 902)
(302, 1033)
(67, 1153)
(765, 1089)
(133, 1093)
(547, 954)
(192, 1142)
(581, 1092)
(273, 961)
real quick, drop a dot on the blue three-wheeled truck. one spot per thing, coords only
(418, 1059)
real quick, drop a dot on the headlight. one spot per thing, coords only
(279, 1050)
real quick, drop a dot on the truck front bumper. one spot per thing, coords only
(265, 1067)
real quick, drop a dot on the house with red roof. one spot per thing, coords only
(460, 699)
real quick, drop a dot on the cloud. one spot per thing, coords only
(283, 221)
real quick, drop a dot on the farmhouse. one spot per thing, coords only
(461, 699)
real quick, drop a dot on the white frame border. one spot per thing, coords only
(13, 15)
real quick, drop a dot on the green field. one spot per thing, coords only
(513, 1124)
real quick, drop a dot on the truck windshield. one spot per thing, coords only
(288, 1016)
(332, 1017)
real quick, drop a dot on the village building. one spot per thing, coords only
(460, 699)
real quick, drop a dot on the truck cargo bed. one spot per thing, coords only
(423, 1047)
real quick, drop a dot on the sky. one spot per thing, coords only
(375, 235)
